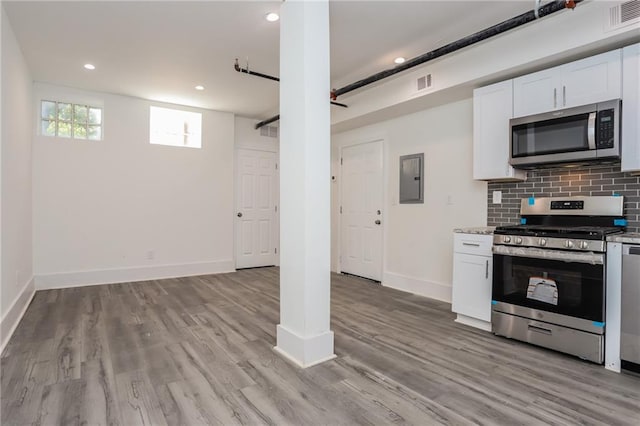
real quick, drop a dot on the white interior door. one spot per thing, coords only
(256, 208)
(361, 206)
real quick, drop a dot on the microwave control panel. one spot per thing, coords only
(606, 129)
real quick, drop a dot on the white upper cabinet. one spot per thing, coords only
(492, 109)
(592, 80)
(631, 108)
(587, 81)
(537, 92)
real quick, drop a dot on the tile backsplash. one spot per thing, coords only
(594, 180)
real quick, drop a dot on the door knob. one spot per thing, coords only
(239, 214)
(377, 222)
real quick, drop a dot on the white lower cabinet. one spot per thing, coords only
(472, 275)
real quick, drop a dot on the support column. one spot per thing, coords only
(303, 335)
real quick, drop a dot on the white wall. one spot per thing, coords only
(247, 137)
(123, 210)
(16, 287)
(418, 239)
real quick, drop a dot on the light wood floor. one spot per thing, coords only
(198, 350)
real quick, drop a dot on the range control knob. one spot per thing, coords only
(542, 242)
(506, 239)
(584, 245)
(568, 244)
(518, 240)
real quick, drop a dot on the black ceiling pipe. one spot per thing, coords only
(267, 121)
(270, 77)
(257, 74)
(482, 35)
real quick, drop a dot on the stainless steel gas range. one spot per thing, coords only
(549, 273)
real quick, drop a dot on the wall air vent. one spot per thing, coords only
(424, 82)
(269, 131)
(622, 14)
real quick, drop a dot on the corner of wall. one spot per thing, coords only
(417, 286)
(16, 209)
(16, 311)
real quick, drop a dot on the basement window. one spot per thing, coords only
(68, 120)
(174, 127)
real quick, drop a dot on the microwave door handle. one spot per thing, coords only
(591, 131)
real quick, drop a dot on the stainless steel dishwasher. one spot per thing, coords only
(630, 330)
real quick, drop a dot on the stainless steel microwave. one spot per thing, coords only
(585, 134)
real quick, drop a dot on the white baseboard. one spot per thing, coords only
(473, 322)
(14, 314)
(420, 287)
(144, 273)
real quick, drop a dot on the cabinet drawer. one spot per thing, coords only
(473, 244)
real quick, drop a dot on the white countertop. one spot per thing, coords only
(627, 237)
(482, 230)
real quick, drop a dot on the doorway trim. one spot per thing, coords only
(236, 190)
(385, 198)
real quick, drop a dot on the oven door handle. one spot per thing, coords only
(565, 256)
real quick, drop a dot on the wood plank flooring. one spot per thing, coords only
(198, 350)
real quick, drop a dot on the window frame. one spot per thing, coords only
(163, 135)
(72, 122)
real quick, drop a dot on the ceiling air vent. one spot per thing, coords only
(269, 131)
(424, 82)
(623, 14)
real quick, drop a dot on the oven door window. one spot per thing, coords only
(567, 288)
(565, 134)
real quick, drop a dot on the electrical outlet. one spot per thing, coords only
(497, 197)
(151, 254)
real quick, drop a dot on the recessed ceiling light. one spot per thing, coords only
(199, 87)
(272, 17)
(399, 60)
(89, 66)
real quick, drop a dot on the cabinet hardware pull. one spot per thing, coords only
(564, 95)
(539, 330)
(471, 244)
(486, 270)
(555, 97)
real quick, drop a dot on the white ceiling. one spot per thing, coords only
(160, 50)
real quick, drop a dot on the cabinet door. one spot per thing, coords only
(537, 92)
(591, 80)
(471, 292)
(630, 108)
(492, 109)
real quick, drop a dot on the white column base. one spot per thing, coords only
(304, 351)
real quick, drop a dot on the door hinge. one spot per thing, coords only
(340, 209)
(276, 209)
(341, 161)
(276, 166)
(275, 250)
